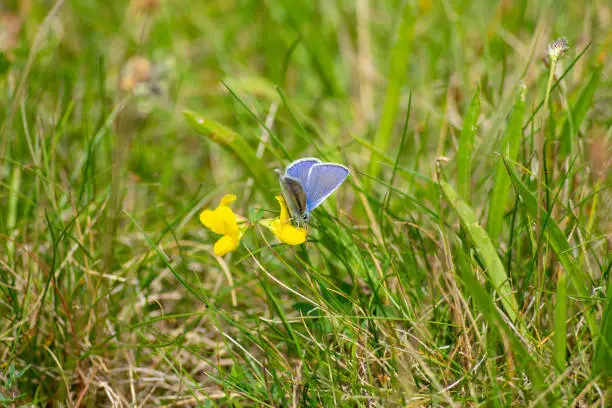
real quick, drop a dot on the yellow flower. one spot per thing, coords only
(222, 220)
(282, 227)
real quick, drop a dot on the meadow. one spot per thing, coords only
(464, 262)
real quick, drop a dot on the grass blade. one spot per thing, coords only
(555, 85)
(494, 267)
(261, 123)
(166, 262)
(579, 111)
(488, 309)
(560, 322)
(602, 361)
(315, 44)
(557, 241)
(233, 142)
(466, 146)
(11, 219)
(501, 187)
(397, 75)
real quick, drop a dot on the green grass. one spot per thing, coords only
(466, 261)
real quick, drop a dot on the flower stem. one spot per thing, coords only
(542, 169)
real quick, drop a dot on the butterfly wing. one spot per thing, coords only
(295, 197)
(323, 179)
(299, 169)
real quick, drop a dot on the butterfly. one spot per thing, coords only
(306, 183)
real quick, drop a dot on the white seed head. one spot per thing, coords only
(557, 48)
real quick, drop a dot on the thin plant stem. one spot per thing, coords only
(542, 169)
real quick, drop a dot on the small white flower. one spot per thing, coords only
(557, 48)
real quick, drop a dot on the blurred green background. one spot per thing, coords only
(466, 261)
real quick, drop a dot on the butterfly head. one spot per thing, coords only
(302, 220)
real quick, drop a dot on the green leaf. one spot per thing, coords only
(255, 214)
(494, 267)
(466, 146)
(510, 147)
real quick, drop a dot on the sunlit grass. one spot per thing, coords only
(465, 261)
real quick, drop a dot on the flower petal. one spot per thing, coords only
(285, 232)
(225, 244)
(228, 198)
(291, 235)
(282, 227)
(222, 220)
(284, 214)
(227, 216)
(210, 221)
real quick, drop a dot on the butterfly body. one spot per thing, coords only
(306, 183)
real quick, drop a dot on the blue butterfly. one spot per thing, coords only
(307, 183)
